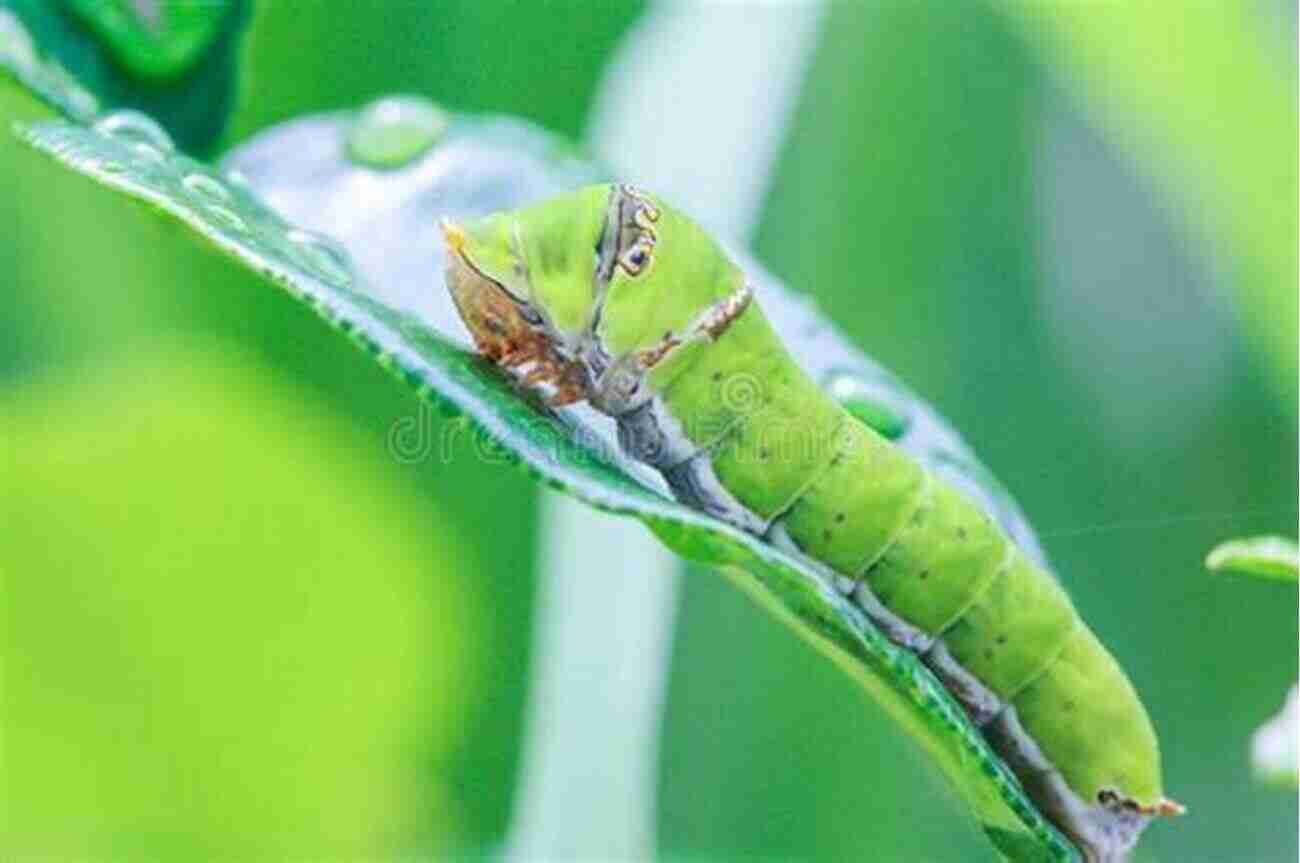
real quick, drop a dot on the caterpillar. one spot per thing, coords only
(608, 295)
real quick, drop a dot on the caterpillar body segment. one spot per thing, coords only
(847, 523)
(611, 296)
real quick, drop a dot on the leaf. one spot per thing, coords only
(1272, 557)
(384, 291)
(173, 59)
(1276, 558)
(1273, 748)
(138, 633)
(156, 41)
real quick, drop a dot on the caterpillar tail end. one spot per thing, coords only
(1167, 808)
(1162, 808)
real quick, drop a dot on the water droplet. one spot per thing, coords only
(15, 42)
(148, 152)
(323, 254)
(226, 219)
(237, 179)
(134, 128)
(206, 186)
(391, 132)
(857, 397)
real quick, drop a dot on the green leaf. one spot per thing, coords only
(146, 666)
(171, 59)
(1273, 748)
(156, 40)
(1273, 557)
(384, 292)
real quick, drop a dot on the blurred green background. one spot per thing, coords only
(238, 628)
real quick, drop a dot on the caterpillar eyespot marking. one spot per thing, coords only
(739, 431)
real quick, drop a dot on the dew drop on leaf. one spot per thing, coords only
(133, 127)
(148, 152)
(226, 219)
(206, 187)
(391, 132)
(323, 254)
(237, 179)
(856, 396)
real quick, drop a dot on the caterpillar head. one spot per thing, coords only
(591, 290)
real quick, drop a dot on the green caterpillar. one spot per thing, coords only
(610, 296)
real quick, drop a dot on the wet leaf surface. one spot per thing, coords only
(1272, 557)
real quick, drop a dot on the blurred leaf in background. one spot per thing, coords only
(1274, 751)
(540, 61)
(1272, 557)
(232, 633)
(172, 59)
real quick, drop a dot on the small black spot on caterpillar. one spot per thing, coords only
(763, 453)
(1001, 639)
(924, 574)
(717, 376)
(826, 535)
(961, 533)
(839, 518)
(918, 517)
